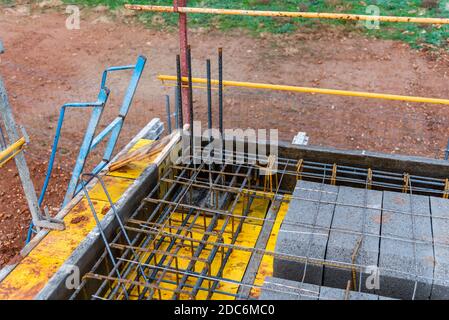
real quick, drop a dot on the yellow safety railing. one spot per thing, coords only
(359, 94)
(309, 15)
(11, 151)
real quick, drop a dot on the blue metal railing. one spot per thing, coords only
(90, 141)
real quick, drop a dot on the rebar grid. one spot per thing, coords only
(193, 209)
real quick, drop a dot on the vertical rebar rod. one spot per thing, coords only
(220, 90)
(179, 91)
(176, 113)
(189, 66)
(183, 44)
(167, 107)
(209, 96)
(209, 123)
(446, 153)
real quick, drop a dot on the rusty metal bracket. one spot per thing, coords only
(406, 185)
(334, 175)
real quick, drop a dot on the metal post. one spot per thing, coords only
(220, 90)
(209, 96)
(167, 107)
(176, 115)
(446, 153)
(183, 43)
(179, 92)
(220, 100)
(189, 63)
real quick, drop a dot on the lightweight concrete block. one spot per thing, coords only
(281, 289)
(327, 293)
(356, 219)
(439, 208)
(300, 233)
(405, 261)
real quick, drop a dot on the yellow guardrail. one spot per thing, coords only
(11, 151)
(309, 15)
(265, 86)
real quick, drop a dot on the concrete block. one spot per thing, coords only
(281, 289)
(439, 208)
(351, 214)
(327, 293)
(299, 237)
(403, 260)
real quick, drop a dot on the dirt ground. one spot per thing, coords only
(47, 65)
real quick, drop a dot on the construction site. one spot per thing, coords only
(326, 188)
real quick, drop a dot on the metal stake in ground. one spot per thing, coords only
(179, 91)
(189, 63)
(183, 43)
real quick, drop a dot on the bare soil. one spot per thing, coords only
(47, 65)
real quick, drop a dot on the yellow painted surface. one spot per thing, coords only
(34, 271)
(266, 266)
(346, 93)
(286, 14)
(115, 186)
(135, 169)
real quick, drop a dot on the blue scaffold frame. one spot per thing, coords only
(90, 141)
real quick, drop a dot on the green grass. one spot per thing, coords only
(413, 34)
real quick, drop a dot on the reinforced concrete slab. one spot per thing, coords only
(406, 251)
(305, 232)
(354, 232)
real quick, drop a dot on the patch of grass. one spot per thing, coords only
(6, 2)
(413, 34)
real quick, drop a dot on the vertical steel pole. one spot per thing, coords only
(189, 64)
(220, 100)
(220, 89)
(446, 153)
(179, 91)
(167, 107)
(176, 113)
(183, 43)
(209, 96)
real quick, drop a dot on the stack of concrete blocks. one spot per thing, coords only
(405, 235)
(305, 231)
(354, 233)
(406, 252)
(440, 226)
(281, 289)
